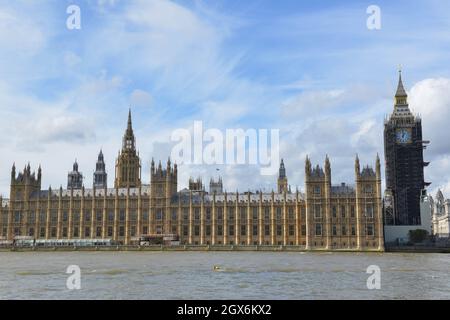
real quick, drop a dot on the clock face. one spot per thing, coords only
(403, 136)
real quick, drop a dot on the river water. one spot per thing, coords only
(240, 275)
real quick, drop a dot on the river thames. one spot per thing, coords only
(238, 275)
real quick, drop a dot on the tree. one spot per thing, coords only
(418, 235)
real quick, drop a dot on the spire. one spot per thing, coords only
(282, 171)
(100, 175)
(13, 172)
(129, 125)
(327, 166)
(400, 94)
(357, 166)
(400, 89)
(128, 139)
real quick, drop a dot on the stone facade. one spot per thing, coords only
(440, 209)
(324, 217)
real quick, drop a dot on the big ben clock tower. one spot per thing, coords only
(403, 150)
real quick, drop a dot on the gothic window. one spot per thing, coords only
(303, 230)
(99, 232)
(219, 230)
(208, 230)
(17, 217)
(317, 190)
(243, 213)
(370, 229)
(196, 230)
(352, 211)
(110, 231)
(334, 230)
(334, 212)
(64, 232)
(279, 230)
(31, 217)
(344, 231)
(65, 216)
(255, 213)
(318, 229)
(230, 214)
(267, 214)
(369, 211)
(99, 216)
(197, 213)
(219, 213)
(291, 213)
(243, 230)
(255, 230)
(343, 211)
(291, 230)
(267, 230)
(87, 232)
(231, 230)
(174, 214)
(208, 214)
(111, 216)
(317, 211)
(353, 231)
(278, 213)
(122, 215)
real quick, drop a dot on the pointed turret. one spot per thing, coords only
(13, 172)
(357, 166)
(100, 175)
(129, 141)
(282, 170)
(401, 97)
(378, 166)
(282, 179)
(74, 178)
(128, 164)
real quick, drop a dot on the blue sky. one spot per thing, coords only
(309, 68)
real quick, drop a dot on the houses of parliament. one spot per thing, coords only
(324, 217)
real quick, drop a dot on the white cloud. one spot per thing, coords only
(431, 99)
(141, 98)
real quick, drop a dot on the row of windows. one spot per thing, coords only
(368, 188)
(318, 212)
(370, 231)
